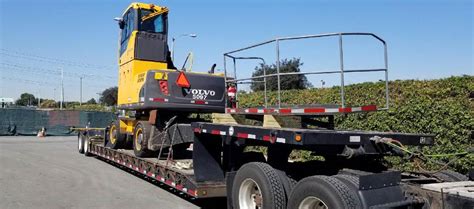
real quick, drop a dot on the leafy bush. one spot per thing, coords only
(90, 107)
(442, 107)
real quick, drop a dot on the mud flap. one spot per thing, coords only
(229, 180)
(207, 158)
(381, 188)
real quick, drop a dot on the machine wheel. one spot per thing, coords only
(87, 147)
(450, 176)
(322, 192)
(80, 143)
(257, 185)
(140, 139)
(116, 139)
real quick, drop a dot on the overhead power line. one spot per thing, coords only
(45, 83)
(24, 55)
(41, 83)
(54, 72)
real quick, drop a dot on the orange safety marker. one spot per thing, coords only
(182, 81)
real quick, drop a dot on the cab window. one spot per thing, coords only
(127, 30)
(152, 25)
(129, 25)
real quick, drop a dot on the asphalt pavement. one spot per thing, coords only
(50, 173)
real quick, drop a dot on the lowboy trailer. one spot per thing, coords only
(219, 166)
(243, 154)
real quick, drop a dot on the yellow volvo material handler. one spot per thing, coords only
(153, 95)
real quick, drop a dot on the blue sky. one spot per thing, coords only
(426, 39)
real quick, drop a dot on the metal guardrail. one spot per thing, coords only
(277, 41)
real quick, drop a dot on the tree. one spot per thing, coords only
(48, 103)
(26, 99)
(286, 81)
(91, 101)
(109, 96)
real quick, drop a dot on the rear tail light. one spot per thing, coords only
(164, 87)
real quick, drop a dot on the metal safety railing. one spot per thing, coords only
(342, 71)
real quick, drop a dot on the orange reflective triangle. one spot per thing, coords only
(182, 81)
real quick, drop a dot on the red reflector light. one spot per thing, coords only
(182, 81)
(164, 87)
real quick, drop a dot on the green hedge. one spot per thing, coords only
(441, 107)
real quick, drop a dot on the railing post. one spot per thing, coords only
(278, 71)
(341, 60)
(225, 82)
(386, 76)
(235, 83)
(265, 83)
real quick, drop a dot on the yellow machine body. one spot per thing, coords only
(147, 77)
(130, 65)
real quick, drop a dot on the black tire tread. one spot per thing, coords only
(343, 190)
(144, 152)
(288, 183)
(275, 184)
(443, 177)
(276, 188)
(455, 176)
(354, 180)
(348, 197)
(120, 138)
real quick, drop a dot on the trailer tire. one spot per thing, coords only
(351, 181)
(140, 139)
(87, 147)
(80, 143)
(288, 183)
(450, 176)
(116, 140)
(322, 190)
(258, 183)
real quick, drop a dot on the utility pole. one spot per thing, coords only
(62, 90)
(80, 94)
(39, 99)
(98, 97)
(191, 35)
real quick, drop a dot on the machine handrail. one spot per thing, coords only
(341, 71)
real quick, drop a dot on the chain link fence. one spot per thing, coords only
(56, 122)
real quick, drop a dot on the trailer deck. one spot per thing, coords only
(302, 110)
(179, 178)
(303, 137)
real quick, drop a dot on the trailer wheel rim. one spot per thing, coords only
(250, 195)
(312, 202)
(113, 133)
(79, 143)
(86, 147)
(138, 139)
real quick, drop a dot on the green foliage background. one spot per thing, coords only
(441, 107)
